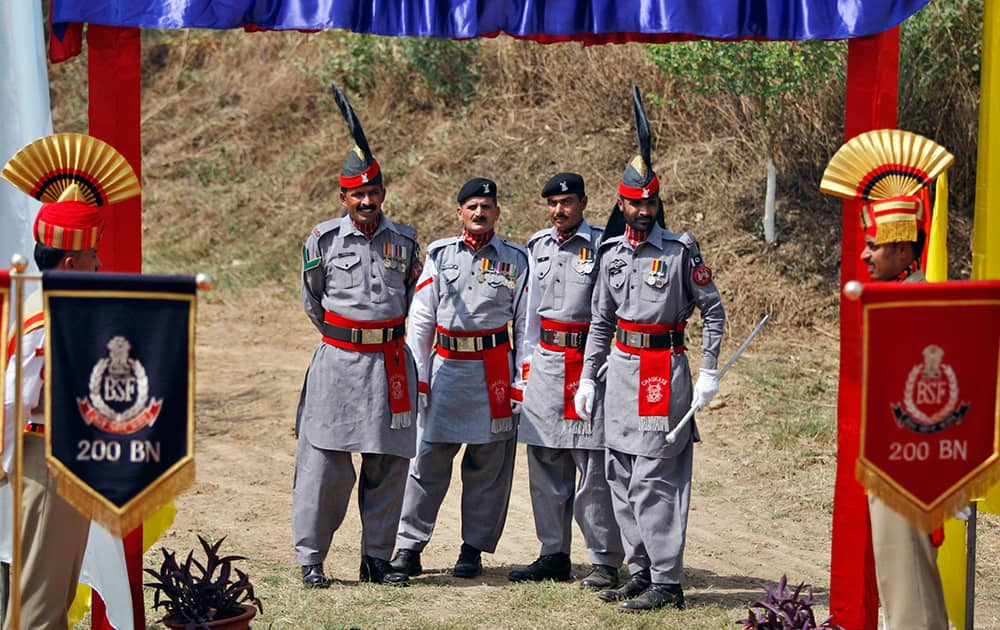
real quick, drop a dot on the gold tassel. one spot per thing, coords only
(117, 521)
(926, 521)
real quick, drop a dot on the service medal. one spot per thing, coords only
(388, 262)
(510, 283)
(480, 276)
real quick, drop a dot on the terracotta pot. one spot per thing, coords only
(240, 622)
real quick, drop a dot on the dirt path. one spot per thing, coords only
(753, 517)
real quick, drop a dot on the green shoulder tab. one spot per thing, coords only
(308, 263)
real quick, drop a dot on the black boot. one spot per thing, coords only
(313, 576)
(407, 561)
(636, 585)
(379, 571)
(469, 564)
(554, 566)
(655, 597)
(601, 577)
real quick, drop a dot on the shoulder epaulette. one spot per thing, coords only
(326, 226)
(442, 242)
(611, 241)
(537, 235)
(402, 229)
(520, 248)
(685, 238)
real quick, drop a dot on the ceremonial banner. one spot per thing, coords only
(930, 392)
(119, 392)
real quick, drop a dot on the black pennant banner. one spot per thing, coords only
(119, 391)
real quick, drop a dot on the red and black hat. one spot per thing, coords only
(639, 181)
(360, 166)
(73, 175)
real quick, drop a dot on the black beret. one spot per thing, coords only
(477, 187)
(564, 184)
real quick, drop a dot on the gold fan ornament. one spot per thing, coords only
(48, 168)
(72, 174)
(887, 168)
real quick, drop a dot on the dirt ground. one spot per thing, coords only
(756, 513)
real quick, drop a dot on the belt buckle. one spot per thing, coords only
(634, 339)
(466, 344)
(371, 335)
(559, 338)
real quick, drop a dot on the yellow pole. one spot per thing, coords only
(18, 266)
(986, 225)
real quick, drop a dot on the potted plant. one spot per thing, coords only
(785, 609)
(214, 595)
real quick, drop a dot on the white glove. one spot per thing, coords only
(421, 402)
(515, 407)
(706, 387)
(583, 400)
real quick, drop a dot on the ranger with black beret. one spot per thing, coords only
(561, 444)
(471, 290)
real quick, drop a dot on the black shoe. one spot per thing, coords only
(407, 561)
(554, 566)
(654, 597)
(601, 577)
(313, 576)
(636, 585)
(380, 571)
(469, 564)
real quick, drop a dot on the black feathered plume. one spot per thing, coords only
(642, 129)
(353, 124)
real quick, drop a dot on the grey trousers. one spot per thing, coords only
(556, 498)
(909, 585)
(321, 493)
(487, 473)
(651, 498)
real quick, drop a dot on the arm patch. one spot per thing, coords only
(308, 263)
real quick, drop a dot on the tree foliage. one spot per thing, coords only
(763, 78)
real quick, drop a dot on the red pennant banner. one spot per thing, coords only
(930, 439)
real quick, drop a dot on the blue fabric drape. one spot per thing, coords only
(544, 20)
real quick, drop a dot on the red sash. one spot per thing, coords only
(494, 363)
(394, 354)
(654, 367)
(572, 362)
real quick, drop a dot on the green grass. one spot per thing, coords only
(436, 601)
(800, 406)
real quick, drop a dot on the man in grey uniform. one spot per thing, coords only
(559, 442)
(471, 289)
(360, 393)
(648, 284)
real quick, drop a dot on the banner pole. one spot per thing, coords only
(18, 266)
(970, 567)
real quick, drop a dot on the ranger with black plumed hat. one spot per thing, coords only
(360, 393)
(649, 283)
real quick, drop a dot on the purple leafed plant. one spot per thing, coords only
(785, 609)
(196, 593)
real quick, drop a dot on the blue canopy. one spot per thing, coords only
(593, 21)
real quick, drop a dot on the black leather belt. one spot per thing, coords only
(565, 339)
(670, 339)
(472, 344)
(364, 335)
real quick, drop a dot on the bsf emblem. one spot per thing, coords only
(930, 397)
(702, 275)
(118, 400)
